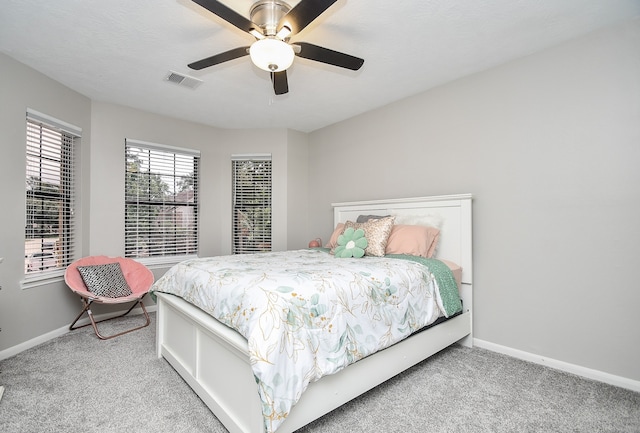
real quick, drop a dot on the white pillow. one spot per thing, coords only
(430, 220)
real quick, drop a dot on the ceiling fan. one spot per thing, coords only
(272, 23)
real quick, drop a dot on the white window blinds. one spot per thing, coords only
(50, 226)
(161, 200)
(251, 203)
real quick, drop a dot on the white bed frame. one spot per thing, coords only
(213, 359)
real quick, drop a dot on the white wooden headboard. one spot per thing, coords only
(455, 232)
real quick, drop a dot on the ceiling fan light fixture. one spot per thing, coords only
(271, 55)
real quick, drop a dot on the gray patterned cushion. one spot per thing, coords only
(105, 280)
(365, 218)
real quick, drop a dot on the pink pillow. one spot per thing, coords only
(456, 269)
(414, 240)
(333, 241)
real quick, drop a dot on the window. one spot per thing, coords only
(251, 203)
(49, 184)
(161, 200)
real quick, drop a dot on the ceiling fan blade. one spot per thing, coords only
(219, 58)
(227, 14)
(302, 14)
(325, 55)
(280, 83)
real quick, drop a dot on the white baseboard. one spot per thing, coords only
(600, 376)
(11, 351)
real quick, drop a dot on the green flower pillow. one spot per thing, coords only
(351, 243)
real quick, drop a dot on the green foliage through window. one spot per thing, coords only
(161, 202)
(49, 193)
(251, 205)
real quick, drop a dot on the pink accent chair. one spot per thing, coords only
(138, 277)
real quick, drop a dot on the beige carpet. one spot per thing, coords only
(77, 383)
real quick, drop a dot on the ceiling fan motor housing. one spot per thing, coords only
(267, 15)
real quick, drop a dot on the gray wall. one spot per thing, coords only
(549, 145)
(297, 223)
(27, 313)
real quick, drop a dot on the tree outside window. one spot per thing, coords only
(49, 191)
(161, 202)
(251, 204)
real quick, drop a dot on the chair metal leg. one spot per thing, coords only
(87, 309)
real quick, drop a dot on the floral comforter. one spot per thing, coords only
(307, 314)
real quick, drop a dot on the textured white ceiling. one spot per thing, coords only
(120, 51)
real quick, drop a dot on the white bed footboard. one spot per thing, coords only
(214, 360)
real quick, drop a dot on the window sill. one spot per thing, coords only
(32, 281)
(38, 280)
(164, 262)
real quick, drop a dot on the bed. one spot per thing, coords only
(214, 359)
